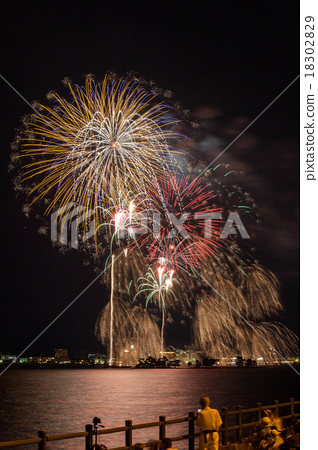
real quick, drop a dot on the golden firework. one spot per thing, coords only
(111, 138)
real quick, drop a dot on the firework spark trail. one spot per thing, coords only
(154, 225)
(113, 138)
(123, 224)
(253, 291)
(189, 221)
(220, 332)
(158, 289)
(184, 222)
(239, 334)
(137, 333)
(111, 301)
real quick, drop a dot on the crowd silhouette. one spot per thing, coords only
(271, 432)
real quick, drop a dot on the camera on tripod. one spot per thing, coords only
(97, 424)
(96, 421)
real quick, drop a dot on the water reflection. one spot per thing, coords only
(64, 401)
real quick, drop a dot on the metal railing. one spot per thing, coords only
(162, 425)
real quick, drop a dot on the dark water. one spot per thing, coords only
(63, 401)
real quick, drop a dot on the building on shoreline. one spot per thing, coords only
(172, 357)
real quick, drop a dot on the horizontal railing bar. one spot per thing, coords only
(263, 407)
(249, 410)
(59, 437)
(247, 425)
(233, 413)
(284, 404)
(173, 421)
(112, 430)
(280, 405)
(146, 425)
(233, 427)
(20, 442)
(180, 438)
(289, 416)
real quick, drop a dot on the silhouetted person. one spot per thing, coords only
(254, 429)
(154, 446)
(272, 441)
(209, 421)
(285, 446)
(262, 430)
(276, 422)
(265, 427)
(167, 444)
(294, 440)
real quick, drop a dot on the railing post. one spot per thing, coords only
(42, 444)
(162, 427)
(292, 406)
(239, 423)
(89, 437)
(258, 412)
(128, 433)
(224, 426)
(191, 430)
(276, 407)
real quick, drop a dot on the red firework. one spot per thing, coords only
(186, 225)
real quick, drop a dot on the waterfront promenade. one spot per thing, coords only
(236, 423)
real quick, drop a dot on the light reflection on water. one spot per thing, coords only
(63, 401)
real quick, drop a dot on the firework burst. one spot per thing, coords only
(158, 287)
(221, 331)
(110, 139)
(182, 232)
(136, 332)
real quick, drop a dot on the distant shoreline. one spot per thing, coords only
(103, 367)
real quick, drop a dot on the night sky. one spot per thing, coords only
(223, 60)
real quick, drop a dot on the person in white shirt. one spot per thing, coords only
(209, 421)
